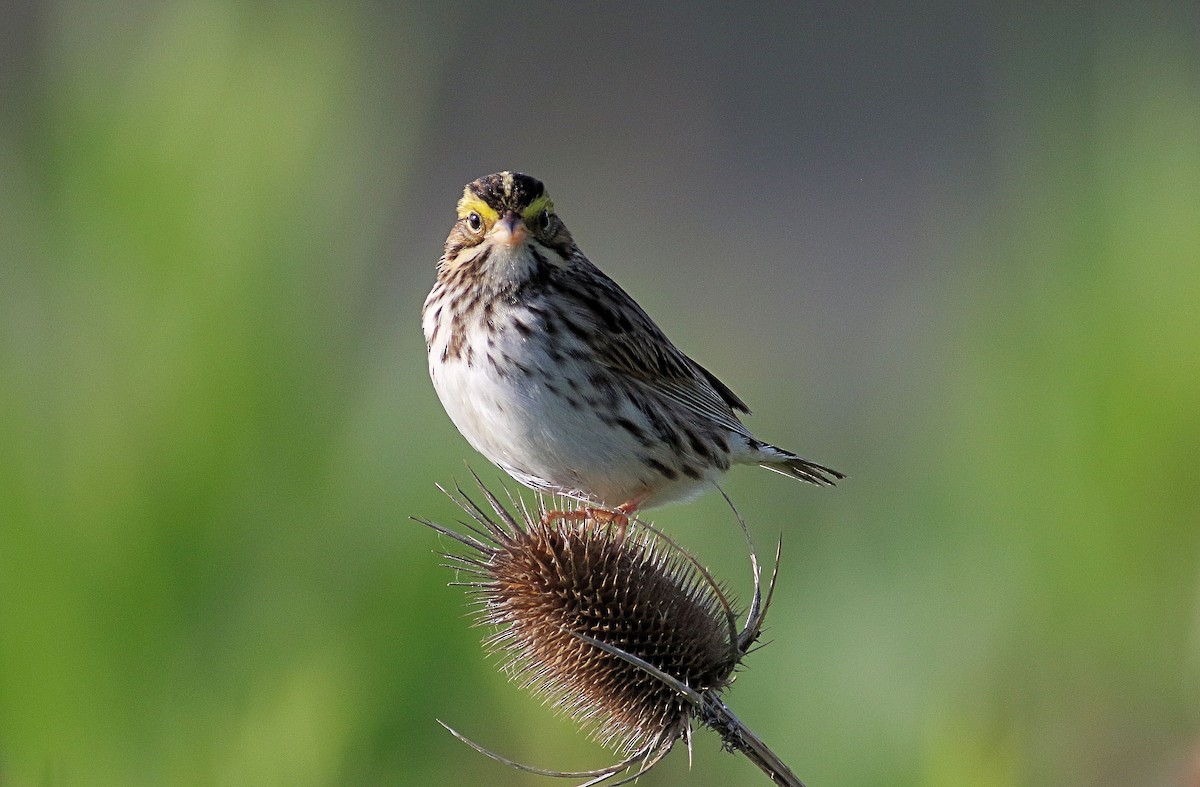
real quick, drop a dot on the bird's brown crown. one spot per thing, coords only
(494, 195)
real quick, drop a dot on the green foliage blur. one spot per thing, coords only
(215, 423)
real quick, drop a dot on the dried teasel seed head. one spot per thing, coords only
(564, 595)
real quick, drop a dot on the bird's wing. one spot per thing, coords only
(623, 338)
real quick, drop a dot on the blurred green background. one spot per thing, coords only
(953, 251)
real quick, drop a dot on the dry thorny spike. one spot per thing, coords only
(619, 627)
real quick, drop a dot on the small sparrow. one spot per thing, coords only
(555, 374)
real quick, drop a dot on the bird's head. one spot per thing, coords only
(507, 231)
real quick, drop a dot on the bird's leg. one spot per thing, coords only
(619, 516)
(558, 515)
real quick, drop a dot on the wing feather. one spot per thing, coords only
(623, 338)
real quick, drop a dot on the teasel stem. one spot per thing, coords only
(618, 626)
(738, 737)
(713, 713)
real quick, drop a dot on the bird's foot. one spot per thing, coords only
(615, 517)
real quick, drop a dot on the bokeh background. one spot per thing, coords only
(952, 250)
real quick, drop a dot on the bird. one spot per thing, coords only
(557, 376)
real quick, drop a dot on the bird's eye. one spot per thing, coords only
(543, 220)
(475, 222)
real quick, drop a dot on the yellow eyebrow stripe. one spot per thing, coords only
(537, 206)
(472, 204)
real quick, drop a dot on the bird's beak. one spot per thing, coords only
(510, 230)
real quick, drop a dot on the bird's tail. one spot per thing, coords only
(787, 463)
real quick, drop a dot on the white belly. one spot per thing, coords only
(527, 425)
(539, 439)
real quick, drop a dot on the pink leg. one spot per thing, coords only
(618, 516)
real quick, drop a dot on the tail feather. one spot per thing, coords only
(786, 463)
